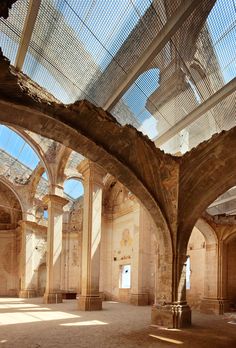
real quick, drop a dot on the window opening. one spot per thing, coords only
(125, 276)
(188, 273)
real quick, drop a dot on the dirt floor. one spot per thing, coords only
(29, 323)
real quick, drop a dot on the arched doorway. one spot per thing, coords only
(202, 268)
(72, 238)
(10, 241)
(230, 271)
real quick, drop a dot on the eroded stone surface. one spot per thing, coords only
(206, 172)
(123, 151)
(5, 6)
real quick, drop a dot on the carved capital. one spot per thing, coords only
(54, 199)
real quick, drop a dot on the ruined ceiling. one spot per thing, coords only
(75, 59)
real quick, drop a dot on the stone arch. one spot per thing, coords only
(201, 180)
(227, 237)
(210, 277)
(96, 135)
(78, 177)
(160, 239)
(207, 231)
(110, 183)
(66, 152)
(10, 186)
(228, 249)
(11, 209)
(37, 149)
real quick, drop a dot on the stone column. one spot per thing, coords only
(215, 299)
(27, 274)
(139, 295)
(54, 247)
(92, 214)
(174, 313)
(180, 308)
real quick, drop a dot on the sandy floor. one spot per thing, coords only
(29, 323)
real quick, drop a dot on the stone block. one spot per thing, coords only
(139, 299)
(27, 293)
(214, 306)
(171, 315)
(52, 298)
(89, 303)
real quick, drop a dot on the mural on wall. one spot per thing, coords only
(126, 240)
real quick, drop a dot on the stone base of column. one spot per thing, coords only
(55, 297)
(214, 306)
(89, 303)
(139, 299)
(171, 315)
(27, 293)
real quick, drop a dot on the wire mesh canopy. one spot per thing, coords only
(100, 50)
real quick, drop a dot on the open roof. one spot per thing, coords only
(166, 67)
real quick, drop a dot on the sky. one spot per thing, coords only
(102, 40)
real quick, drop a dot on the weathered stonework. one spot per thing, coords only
(5, 6)
(164, 184)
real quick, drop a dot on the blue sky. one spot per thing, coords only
(74, 188)
(17, 147)
(119, 18)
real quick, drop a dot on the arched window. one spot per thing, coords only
(73, 188)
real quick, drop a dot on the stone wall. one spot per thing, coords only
(127, 239)
(71, 249)
(231, 274)
(197, 253)
(9, 284)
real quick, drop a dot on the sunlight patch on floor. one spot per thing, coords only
(85, 323)
(29, 317)
(11, 299)
(17, 305)
(112, 302)
(35, 309)
(166, 339)
(164, 328)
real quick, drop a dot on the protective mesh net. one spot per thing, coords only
(86, 49)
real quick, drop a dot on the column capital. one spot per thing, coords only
(91, 170)
(58, 200)
(32, 225)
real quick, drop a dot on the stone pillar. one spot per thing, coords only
(180, 308)
(139, 295)
(215, 299)
(27, 286)
(54, 248)
(92, 214)
(177, 313)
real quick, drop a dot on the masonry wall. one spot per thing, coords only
(197, 253)
(231, 270)
(122, 244)
(71, 249)
(9, 283)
